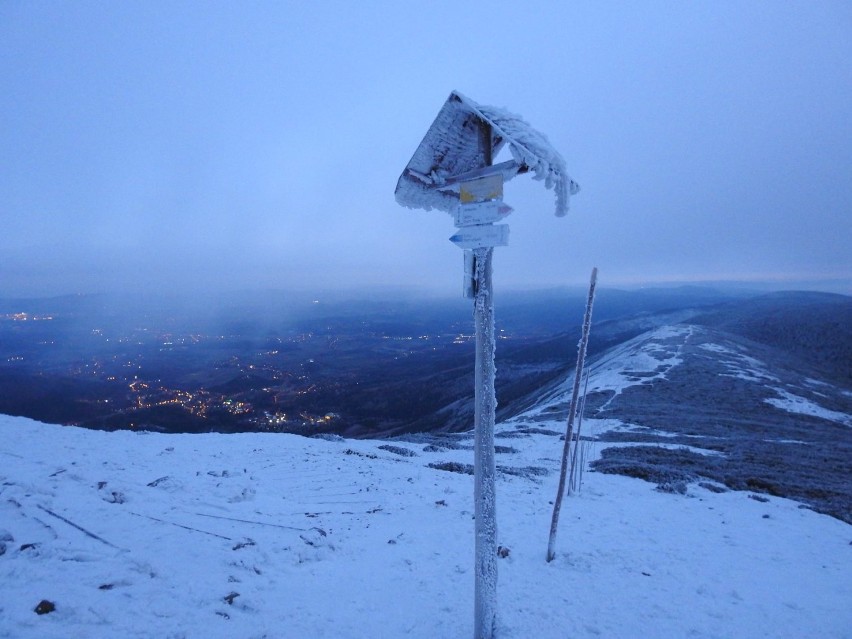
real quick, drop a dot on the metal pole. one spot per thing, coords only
(485, 596)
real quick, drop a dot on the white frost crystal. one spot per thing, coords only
(531, 148)
(451, 147)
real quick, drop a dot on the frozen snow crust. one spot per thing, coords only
(262, 535)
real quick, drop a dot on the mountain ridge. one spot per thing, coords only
(772, 425)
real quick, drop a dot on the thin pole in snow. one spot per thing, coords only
(581, 357)
(574, 484)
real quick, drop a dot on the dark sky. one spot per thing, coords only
(226, 145)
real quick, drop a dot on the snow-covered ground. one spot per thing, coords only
(263, 535)
(641, 360)
(795, 404)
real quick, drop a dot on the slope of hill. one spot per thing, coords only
(816, 327)
(135, 534)
(772, 423)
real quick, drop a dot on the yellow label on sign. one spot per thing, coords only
(481, 189)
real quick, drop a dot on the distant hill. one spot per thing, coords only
(383, 367)
(751, 394)
(816, 327)
(695, 403)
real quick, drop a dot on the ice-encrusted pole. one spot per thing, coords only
(572, 410)
(484, 490)
(456, 155)
(573, 473)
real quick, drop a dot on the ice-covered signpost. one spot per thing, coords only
(452, 170)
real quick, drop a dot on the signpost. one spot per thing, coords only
(481, 213)
(482, 238)
(453, 170)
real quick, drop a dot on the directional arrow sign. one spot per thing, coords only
(481, 212)
(482, 236)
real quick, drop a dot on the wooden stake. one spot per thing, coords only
(581, 357)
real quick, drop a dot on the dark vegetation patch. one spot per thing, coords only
(539, 431)
(638, 437)
(444, 441)
(651, 463)
(432, 448)
(50, 397)
(453, 467)
(595, 400)
(527, 472)
(505, 450)
(398, 450)
(357, 453)
(509, 434)
(673, 487)
(329, 437)
(777, 469)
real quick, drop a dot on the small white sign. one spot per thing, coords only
(481, 212)
(482, 236)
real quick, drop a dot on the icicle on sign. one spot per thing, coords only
(487, 188)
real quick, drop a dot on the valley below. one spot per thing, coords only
(750, 391)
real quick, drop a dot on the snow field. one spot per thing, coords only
(344, 539)
(794, 404)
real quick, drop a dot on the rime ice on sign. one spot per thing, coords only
(450, 153)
